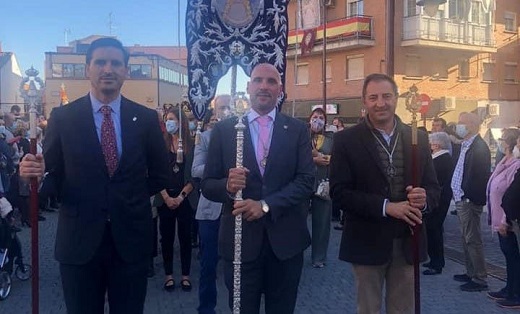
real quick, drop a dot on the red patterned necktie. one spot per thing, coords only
(108, 140)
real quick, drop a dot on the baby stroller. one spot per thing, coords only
(10, 251)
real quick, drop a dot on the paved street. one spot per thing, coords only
(327, 290)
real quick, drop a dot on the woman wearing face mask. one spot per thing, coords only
(176, 207)
(498, 183)
(321, 205)
(440, 144)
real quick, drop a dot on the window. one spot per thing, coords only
(354, 7)
(439, 70)
(459, 9)
(510, 22)
(328, 70)
(463, 69)
(477, 13)
(302, 74)
(488, 74)
(140, 71)
(355, 67)
(510, 70)
(413, 66)
(73, 70)
(172, 76)
(411, 6)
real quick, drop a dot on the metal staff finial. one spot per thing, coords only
(413, 104)
(240, 108)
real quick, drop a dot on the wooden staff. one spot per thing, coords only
(33, 197)
(237, 258)
(413, 105)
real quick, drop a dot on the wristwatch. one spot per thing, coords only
(265, 207)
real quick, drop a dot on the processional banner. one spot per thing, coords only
(223, 33)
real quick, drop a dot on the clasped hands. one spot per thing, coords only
(409, 211)
(250, 209)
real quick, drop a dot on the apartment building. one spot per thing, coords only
(462, 54)
(157, 74)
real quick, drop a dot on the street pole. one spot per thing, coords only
(324, 56)
(390, 35)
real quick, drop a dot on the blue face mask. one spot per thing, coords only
(2, 129)
(171, 126)
(192, 125)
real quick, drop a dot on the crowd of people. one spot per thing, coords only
(128, 180)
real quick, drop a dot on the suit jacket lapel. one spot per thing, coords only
(277, 139)
(249, 160)
(127, 129)
(371, 145)
(90, 137)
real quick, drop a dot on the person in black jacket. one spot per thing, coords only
(442, 162)
(468, 184)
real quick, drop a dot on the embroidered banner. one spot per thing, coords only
(222, 33)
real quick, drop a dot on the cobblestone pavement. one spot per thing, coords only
(322, 291)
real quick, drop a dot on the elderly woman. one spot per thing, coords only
(440, 144)
(498, 183)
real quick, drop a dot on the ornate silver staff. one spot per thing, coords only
(413, 104)
(240, 107)
(180, 151)
(33, 95)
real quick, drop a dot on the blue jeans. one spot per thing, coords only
(208, 234)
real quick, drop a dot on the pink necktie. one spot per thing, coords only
(262, 145)
(108, 140)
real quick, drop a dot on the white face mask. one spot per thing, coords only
(516, 152)
(461, 130)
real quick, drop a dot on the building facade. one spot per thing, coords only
(463, 55)
(10, 80)
(157, 75)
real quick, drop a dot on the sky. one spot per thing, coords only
(30, 28)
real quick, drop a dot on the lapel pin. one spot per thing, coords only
(285, 127)
(134, 119)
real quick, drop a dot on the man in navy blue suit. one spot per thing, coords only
(276, 181)
(105, 156)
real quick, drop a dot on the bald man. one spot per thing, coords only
(469, 183)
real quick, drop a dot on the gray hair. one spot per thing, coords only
(442, 139)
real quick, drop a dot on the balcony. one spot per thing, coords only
(346, 33)
(443, 33)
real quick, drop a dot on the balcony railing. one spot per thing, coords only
(449, 31)
(353, 28)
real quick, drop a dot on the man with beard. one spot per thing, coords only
(276, 180)
(105, 156)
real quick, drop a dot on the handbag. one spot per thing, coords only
(322, 191)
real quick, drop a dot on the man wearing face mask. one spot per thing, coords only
(469, 183)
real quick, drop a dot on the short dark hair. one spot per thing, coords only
(319, 110)
(442, 121)
(378, 77)
(107, 42)
(15, 108)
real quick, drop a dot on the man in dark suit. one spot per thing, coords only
(105, 156)
(371, 178)
(276, 179)
(469, 182)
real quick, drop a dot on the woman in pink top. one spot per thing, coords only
(498, 183)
